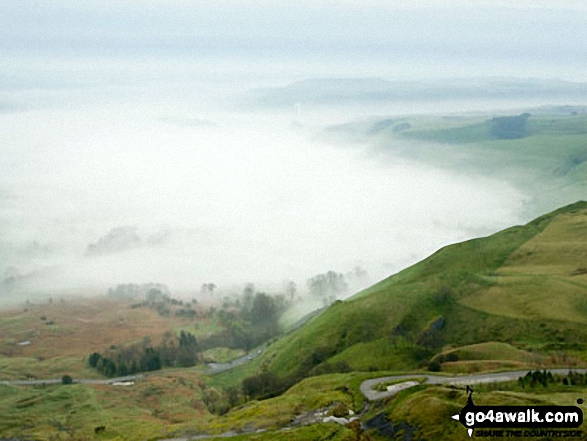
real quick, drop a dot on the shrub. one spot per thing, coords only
(66, 379)
(434, 366)
(340, 410)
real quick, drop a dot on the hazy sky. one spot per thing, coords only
(521, 34)
(123, 157)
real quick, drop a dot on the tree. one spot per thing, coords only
(290, 290)
(207, 289)
(264, 310)
(150, 360)
(94, 359)
(187, 340)
(248, 296)
(328, 286)
(265, 384)
(187, 354)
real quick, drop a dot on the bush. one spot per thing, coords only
(451, 356)
(340, 410)
(434, 366)
(66, 379)
(264, 385)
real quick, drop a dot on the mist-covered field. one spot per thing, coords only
(181, 144)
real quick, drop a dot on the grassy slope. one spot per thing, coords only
(430, 408)
(551, 248)
(542, 254)
(358, 330)
(81, 326)
(153, 407)
(168, 404)
(550, 164)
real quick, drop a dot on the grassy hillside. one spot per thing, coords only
(479, 130)
(545, 156)
(429, 408)
(525, 286)
(513, 300)
(167, 404)
(146, 409)
(62, 334)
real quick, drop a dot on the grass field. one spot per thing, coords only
(63, 334)
(543, 278)
(170, 405)
(512, 300)
(152, 407)
(548, 163)
(483, 294)
(165, 404)
(430, 408)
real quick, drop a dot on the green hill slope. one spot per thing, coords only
(525, 286)
(542, 153)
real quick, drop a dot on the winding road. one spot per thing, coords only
(38, 382)
(366, 386)
(372, 395)
(212, 368)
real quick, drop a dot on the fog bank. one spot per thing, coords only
(135, 146)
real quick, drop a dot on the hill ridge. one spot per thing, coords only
(404, 321)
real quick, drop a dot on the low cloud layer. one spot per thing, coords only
(126, 198)
(132, 158)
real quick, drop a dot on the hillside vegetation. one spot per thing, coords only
(525, 286)
(513, 300)
(542, 152)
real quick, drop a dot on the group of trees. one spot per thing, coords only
(533, 378)
(207, 289)
(267, 384)
(328, 287)
(182, 351)
(135, 290)
(544, 378)
(247, 321)
(160, 300)
(509, 127)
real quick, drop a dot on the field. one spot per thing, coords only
(513, 300)
(481, 305)
(430, 408)
(163, 405)
(62, 334)
(151, 408)
(543, 278)
(547, 160)
(169, 404)
(500, 288)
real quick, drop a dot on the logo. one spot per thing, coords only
(520, 421)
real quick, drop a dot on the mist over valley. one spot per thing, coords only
(178, 189)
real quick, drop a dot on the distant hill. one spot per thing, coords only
(525, 287)
(333, 91)
(541, 151)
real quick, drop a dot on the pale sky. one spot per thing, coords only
(491, 29)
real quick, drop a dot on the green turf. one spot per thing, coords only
(476, 129)
(429, 408)
(549, 163)
(516, 298)
(456, 283)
